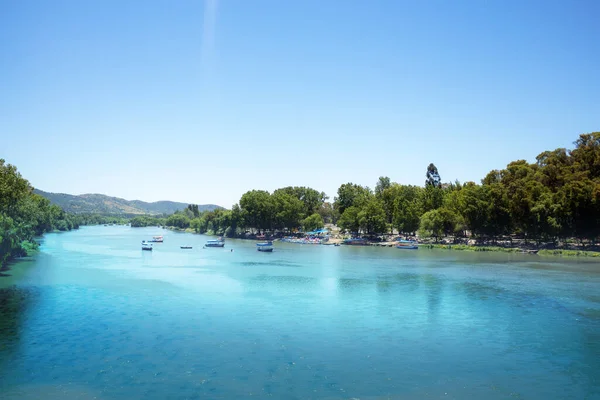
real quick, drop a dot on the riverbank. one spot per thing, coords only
(516, 247)
(543, 252)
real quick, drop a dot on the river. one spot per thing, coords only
(91, 316)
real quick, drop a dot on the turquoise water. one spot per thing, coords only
(94, 317)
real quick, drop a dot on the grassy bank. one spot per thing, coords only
(569, 253)
(555, 252)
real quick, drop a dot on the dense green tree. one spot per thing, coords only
(407, 212)
(389, 197)
(431, 225)
(311, 199)
(178, 220)
(194, 210)
(586, 155)
(199, 225)
(351, 195)
(402, 208)
(237, 221)
(382, 184)
(437, 223)
(145, 220)
(13, 188)
(327, 213)
(24, 215)
(432, 198)
(499, 219)
(289, 210)
(312, 222)
(258, 209)
(473, 206)
(371, 217)
(349, 220)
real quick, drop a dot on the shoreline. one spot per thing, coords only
(517, 250)
(558, 252)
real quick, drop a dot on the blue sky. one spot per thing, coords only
(201, 101)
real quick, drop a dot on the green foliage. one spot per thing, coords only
(178, 220)
(442, 221)
(146, 220)
(312, 222)
(219, 221)
(371, 218)
(311, 199)
(349, 220)
(29, 247)
(289, 210)
(25, 215)
(556, 197)
(432, 197)
(327, 213)
(258, 209)
(351, 195)
(407, 211)
(194, 210)
(382, 184)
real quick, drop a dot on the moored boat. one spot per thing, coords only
(185, 247)
(157, 239)
(407, 244)
(215, 243)
(146, 245)
(528, 251)
(265, 246)
(356, 242)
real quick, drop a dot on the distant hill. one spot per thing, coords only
(102, 204)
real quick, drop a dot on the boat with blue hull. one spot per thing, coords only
(267, 247)
(407, 244)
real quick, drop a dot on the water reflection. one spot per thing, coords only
(15, 303)
(434, 286)
(408, 282)
(283, 281)
(354, 285)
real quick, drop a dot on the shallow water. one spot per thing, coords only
(92, 316)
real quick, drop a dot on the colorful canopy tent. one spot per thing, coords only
(322, 231)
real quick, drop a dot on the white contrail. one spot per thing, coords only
(208, 33)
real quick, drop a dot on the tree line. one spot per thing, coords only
(25, 215)
(287, 209)
(556, 197)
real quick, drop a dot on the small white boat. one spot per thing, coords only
(265, 246)
(146, 245)
(215, 243)
(157, 239)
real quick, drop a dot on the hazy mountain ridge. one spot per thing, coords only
(102, 204)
